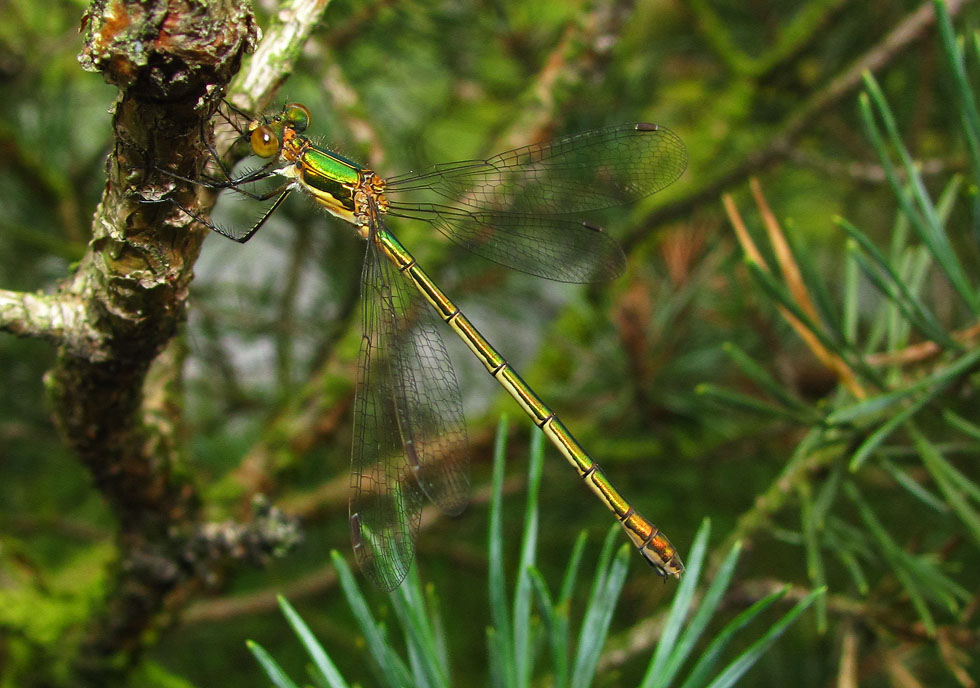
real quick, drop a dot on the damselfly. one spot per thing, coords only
(517, 208)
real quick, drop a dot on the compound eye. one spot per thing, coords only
(298, 116)
(264, 141)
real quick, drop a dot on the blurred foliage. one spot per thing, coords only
(272, 338)
(520, 629)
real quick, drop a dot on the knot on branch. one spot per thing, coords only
(270, 534)
(166, 51)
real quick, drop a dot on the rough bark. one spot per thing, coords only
(171, 62)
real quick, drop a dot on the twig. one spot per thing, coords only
(62, 320)
(263, 601)
(871, 173)
(273, 61)
(804, 28)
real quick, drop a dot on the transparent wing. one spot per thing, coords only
(556, 248)
(596, 169)
(498, 206)
(409, 433)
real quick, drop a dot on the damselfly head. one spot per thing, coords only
(267, 136)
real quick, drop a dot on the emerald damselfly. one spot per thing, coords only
(516, 208)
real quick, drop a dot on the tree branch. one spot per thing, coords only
(273, 61)
(123, 304)
(114, 397)
(59, 319)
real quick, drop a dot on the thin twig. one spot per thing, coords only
(265, 71)
(264, 601)
(60, 319)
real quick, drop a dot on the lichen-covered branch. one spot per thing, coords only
(56, 318)
(121, 308)
(170, 61)
(113, 394)
(266, 70)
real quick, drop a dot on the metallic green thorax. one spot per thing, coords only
(331, 180)
(330, 167)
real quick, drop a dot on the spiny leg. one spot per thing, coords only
(283, 191)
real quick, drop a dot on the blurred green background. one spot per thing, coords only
(272, 336)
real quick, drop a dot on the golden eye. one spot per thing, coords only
(298, 116)
(264, 142)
